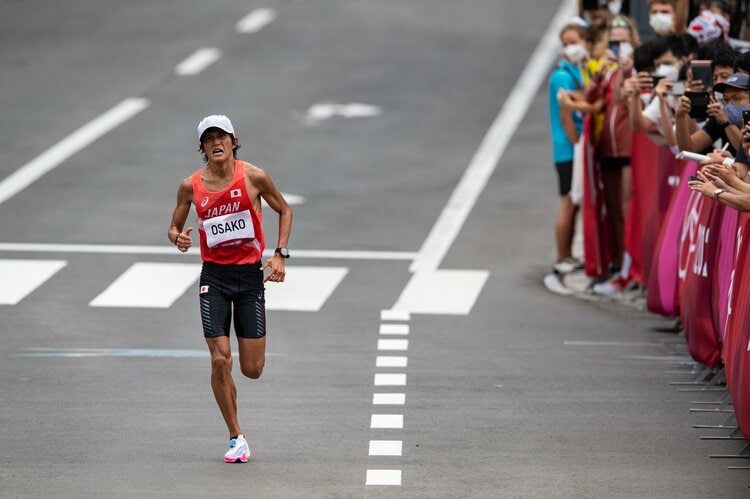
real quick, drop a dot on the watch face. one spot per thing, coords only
(283, 252)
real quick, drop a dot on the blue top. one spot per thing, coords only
(565, 76)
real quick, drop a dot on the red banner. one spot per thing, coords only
(662, 289)
(737, 344)
(697, 261)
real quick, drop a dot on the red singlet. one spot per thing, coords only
(231, 232)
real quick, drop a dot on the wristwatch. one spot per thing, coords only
(718, 192)
(284, 252)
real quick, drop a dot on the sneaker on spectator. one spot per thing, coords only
(612, 286)
(567, 265)
(238, 451)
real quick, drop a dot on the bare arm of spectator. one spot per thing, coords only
(566, 117)
(631, 91)
(666, 122)
(576, 101)
(711, 187)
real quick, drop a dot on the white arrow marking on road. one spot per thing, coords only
(326, 110)
(198, 61)
(255, 21)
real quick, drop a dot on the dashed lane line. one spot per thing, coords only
(255, 21)
(198, 61)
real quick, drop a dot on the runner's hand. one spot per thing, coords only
(278, 272)
(183, 240)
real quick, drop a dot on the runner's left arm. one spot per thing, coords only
(276, 201)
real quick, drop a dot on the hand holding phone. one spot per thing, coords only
(693, 178)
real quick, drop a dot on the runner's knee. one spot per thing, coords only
(221, 364)
(253, 370)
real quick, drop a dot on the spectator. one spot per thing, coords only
(566, 127)
(708, 27)
(717, 127)
(614, 142)
(667, 17)
(742, 63)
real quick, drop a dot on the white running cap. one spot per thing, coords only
(215, 121)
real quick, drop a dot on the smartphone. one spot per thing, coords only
(696, 179)
(615, 48)
(678, 88)
(702, 72)
(656, 78)
(745, 117)
(698, 105)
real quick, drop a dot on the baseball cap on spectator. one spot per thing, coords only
(709, 26)
(215, 121)
(737, 80)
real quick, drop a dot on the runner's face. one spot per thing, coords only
(217, 144)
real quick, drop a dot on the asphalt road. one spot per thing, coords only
(516, 393)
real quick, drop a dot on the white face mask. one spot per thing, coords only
(575, 52)
(615, 6)
(661, 23)
(668, 71)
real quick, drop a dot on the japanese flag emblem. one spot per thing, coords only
(204, 289)
(235, 193)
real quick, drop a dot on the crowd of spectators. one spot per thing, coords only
(684, 87)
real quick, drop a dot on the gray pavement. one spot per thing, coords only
(497, 403)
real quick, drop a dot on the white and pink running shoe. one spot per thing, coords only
(238, 452)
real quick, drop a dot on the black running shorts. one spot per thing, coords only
(227, 287)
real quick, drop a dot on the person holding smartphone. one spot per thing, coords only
(717, 126)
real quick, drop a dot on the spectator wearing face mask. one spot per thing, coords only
(667, 17)
(566, 127)
(711, 25)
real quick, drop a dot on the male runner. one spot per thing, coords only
(227, 197)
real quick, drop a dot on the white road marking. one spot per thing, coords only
(292, 199)
(395, 315)
(255, 21)
(393, 344)
(149, 285)
(450, 292)
(400, 329)
(383, 477)
(390, 379)
(611, 344)
(304, 289)
(21, 277)
(387, 421)
(391, 361)
(170, 250)
(388, 398)
(55, 155)
(198, 61)
(326, 110)
(492, 147)
(385, 447)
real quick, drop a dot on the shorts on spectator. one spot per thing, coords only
(614, 163)
(564, 176)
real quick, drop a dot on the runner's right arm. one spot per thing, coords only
(175, 234)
